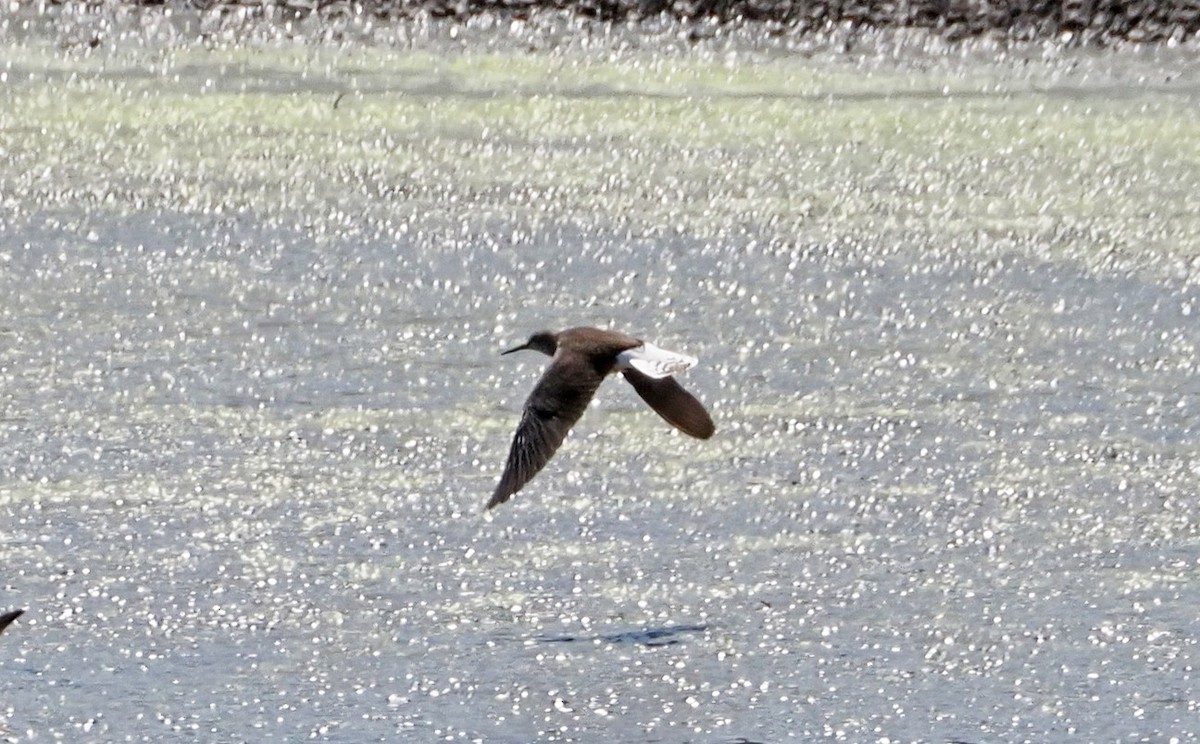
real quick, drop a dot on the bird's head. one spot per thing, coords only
(543, 341)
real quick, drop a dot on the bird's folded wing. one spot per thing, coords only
(679, 407)
(556, 403)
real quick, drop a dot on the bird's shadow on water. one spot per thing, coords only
(665, 636)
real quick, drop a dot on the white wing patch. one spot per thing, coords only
(653, 361)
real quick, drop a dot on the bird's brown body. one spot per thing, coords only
(582, 358)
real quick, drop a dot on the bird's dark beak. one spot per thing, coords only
(522, 347)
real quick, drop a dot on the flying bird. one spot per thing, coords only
(581, 359)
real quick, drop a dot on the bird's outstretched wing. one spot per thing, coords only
(679, 407)
(8, 617)
(556, 403)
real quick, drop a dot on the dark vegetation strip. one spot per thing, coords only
(1081, 21)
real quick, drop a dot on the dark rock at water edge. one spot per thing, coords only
(1075, 21)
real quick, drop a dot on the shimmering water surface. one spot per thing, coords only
(251, 404)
